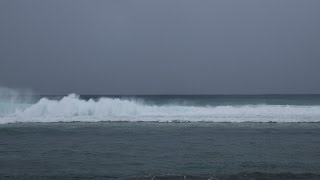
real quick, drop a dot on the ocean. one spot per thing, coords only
(160, 137)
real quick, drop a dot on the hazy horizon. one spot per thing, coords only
(27, 92)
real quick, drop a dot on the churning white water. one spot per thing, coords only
(71, 108)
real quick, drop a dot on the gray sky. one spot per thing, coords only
(160, 47)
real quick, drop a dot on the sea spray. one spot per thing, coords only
(72, 108)
(12, 100)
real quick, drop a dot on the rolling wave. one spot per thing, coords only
(71, 108)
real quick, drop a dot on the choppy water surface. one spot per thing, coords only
(146, 150)
(159, 137)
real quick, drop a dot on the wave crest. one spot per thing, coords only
(72, 108)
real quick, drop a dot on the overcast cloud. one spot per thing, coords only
(160, 47)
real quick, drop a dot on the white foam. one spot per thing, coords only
(71, 108)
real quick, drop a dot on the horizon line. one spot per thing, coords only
(253, 94)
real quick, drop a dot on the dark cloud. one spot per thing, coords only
(160, 47)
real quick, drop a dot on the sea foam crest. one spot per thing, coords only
(72, 108)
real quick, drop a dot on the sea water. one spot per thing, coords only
(160, 137)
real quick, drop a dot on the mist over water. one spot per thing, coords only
(17, 108)
(12, 100)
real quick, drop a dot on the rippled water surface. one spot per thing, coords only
(146, 150)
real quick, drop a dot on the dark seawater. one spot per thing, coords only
(150, 150)
(201, 100)
(159, 137)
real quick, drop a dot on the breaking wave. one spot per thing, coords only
(71, 108)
